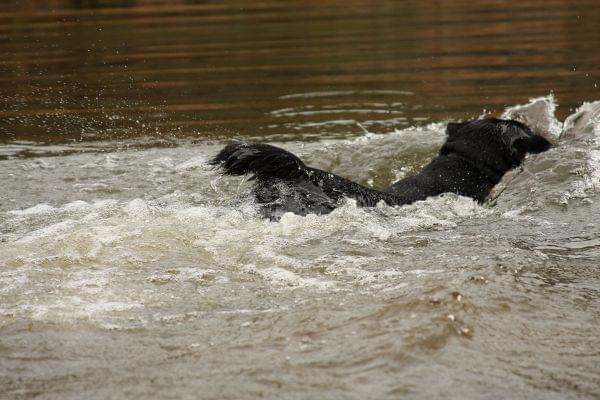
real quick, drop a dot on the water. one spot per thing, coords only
(129, 269)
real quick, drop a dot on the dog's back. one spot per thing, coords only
(473, 159)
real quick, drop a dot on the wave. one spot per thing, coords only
(110, 228)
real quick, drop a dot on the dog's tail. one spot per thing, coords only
(261, 160)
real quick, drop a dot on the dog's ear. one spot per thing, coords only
(532, 144)
(454, 127)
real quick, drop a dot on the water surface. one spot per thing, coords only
(81, 71)
(129, 269)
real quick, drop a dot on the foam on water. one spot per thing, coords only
(153, 242)
(107, 238)
(539, 115)
(35, 210)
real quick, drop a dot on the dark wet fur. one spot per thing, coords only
(473, 159)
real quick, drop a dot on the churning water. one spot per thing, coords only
(144, 273)
(129, 269)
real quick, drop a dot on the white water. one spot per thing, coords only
(149, 255)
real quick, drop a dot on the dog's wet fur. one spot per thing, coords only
(473, 159)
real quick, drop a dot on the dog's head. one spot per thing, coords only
(499, 143)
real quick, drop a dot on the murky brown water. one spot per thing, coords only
(89, 70)
(128, 269)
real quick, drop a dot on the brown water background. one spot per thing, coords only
(96, 70)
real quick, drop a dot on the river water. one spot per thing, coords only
(130, 269)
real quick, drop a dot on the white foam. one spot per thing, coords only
(594, 169)
(193, 163)
(95, 259)
(286, 277)
(76, 206)
(136, 207)
(585, 120)
(539, 115)
(69, 308)
(165, 162)
(49, 231)
(35, 210)
(582, 129)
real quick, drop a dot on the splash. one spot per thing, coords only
(539, 115)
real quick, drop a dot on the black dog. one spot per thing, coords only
(474, 158)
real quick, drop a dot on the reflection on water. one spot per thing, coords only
(90, 70)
